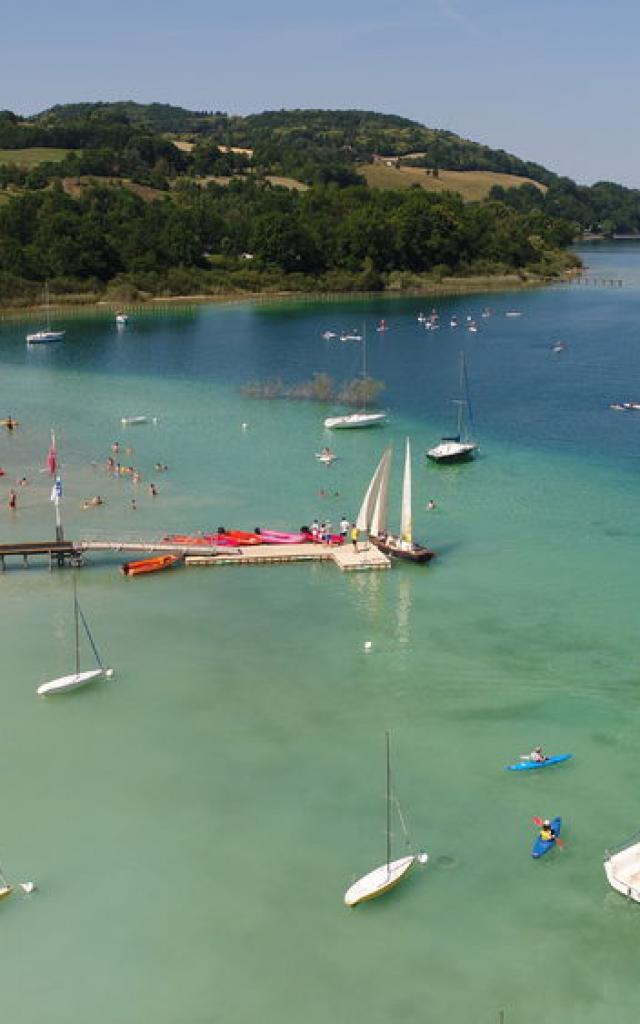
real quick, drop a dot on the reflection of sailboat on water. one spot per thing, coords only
(362, 418)
(459, 448)
(372, 517)
(387, 876)
(77, 678)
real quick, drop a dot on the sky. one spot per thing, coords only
(551, 81)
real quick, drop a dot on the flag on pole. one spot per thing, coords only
(56, 490)
(52, 457)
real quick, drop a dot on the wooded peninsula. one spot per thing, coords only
(124, 201)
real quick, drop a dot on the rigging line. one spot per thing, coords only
(91, 640)
(403, 824)
(467, 396)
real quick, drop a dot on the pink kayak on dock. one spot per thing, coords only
(283, 537)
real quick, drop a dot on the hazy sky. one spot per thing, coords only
(551, 81)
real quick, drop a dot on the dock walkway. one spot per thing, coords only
(366, 557)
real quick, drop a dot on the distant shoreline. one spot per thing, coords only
(448, 286)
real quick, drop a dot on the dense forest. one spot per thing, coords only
(157, 200)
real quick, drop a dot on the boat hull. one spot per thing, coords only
(416, 553)
(72, 682)
(452, 451)
(149, 565)
(356, 421)
(526, 766)
(378, 881)
(5, 891)
(45, 337)
(540, 846)
(622, 869)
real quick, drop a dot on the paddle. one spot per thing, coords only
(559, 841)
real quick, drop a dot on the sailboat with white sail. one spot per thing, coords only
(362, 418)
(45, 335)
(389, 874)
(372, 517)
(77, 678)
(459, 448)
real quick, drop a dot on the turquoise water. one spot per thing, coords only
(192, 825)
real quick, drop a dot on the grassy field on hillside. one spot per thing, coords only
(471, 185)
(32, 157)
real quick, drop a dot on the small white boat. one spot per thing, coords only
(353, 336)
(326, 456)
(329, 335)
(355, 419)
(122, 319)
(5, 887)
(133, 421)
(77, 679)
(513, 312)
(454, 322)
(622, 868)
(44, 336)
(387, 876)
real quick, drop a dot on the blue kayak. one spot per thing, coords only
(540, 847)
(526, 766)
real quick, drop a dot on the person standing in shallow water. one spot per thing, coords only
(13, 501)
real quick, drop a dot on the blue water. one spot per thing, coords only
(193, 824)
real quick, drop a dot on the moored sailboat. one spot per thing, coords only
(460, 447)
(45, 335)
(77, 678)
(389, 874)
(362, 418)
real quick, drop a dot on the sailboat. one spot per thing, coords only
(358, 419)
(389, 874)
(372, 517)
(46, 335)
(459, 448)
(77, 678)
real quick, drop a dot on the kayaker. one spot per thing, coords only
(547, 835)
(537, 755)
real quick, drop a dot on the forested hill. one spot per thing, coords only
(347, 136)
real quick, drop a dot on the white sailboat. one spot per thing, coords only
(389, 874)
(77, 678)
(46, 335)
(362, 418)
(622, 868)
(372, 517)
(461, 447)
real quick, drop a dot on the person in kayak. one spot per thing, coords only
(547, 835)
(537, 755)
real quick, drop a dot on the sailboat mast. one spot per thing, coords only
(364, 367)
(46, 303)
(77, 622)
(388, 804)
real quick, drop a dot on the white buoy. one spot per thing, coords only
(368, 645)
(244, 426)
(423, 858)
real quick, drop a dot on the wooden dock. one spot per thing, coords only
(348, 559)
(366, 557)
(55, 551)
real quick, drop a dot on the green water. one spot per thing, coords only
(192, 825)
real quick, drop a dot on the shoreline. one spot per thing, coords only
(448, 286)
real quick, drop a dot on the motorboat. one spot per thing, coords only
(134, 421)
(350, 336)
(622, 868)
(122, 319)
(329, 335)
